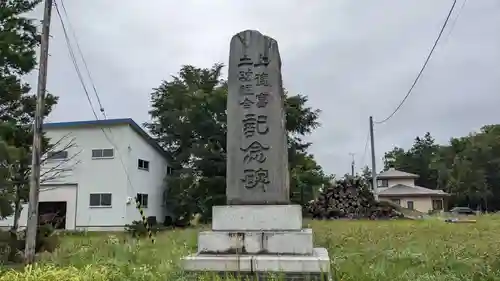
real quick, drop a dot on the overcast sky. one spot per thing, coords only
(352, 58)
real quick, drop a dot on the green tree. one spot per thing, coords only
(366, 176)
(468, 167)
(418, 159)
(8, 155)
(189, 120)
(366, 173)
(307, 177)
(19, 39)
(397, 158)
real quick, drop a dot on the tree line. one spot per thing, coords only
(189, 120)
(467, 167)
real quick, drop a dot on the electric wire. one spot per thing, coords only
(365, 149)
(454, 21)
(82, 82)
(71, 29)
(74, 61)
(422, 68)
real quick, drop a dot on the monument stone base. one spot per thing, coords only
(257, 242)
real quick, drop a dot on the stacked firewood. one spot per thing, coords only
(350, 197)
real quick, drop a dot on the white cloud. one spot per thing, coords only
(352, 58)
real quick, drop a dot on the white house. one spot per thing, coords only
(399, 187)
(97, 170)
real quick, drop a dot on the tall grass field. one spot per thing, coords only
(359, 250)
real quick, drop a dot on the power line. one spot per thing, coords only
(454, 21)
(423, 66)
(82, 82)
(73, 59)
(75, 64)
(71, 29)
(130, 186)
(365, 149)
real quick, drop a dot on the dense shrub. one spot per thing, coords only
(137, 229)
(12, 244)
(168, 221)
(5, 245)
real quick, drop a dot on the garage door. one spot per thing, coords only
(51, 193)
(62, 193)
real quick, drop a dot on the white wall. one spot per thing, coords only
(149, 182)
(407, 182)
(421, 204)
(97, 175)
(106, 175)
(53, 193)
(393, 182)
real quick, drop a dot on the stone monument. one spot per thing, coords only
(258, 233)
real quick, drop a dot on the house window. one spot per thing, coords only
(57, 155)
(437, 204)
(103, 153)
(100, 200)
(142, 199)
(409, 204)
(396, 201)
(143, 165)
(383, 183)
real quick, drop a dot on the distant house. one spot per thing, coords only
(399, 187)
(98, 177)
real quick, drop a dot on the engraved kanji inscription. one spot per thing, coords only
(246, 103)
(262, 79)
(246, 89)
(253, 178)
(263, 61)
(254, 124)
(245, 60)
(262, 99)
(245, 75)
(255, 152)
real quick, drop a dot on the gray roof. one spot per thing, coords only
(395, 174)
(401, 189)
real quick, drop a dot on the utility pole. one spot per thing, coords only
(352, 163)
(32, 224)
(374, 169)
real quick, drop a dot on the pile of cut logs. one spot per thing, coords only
(350, 197)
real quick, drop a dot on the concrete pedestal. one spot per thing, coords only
(299, 242)
(256, 242)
